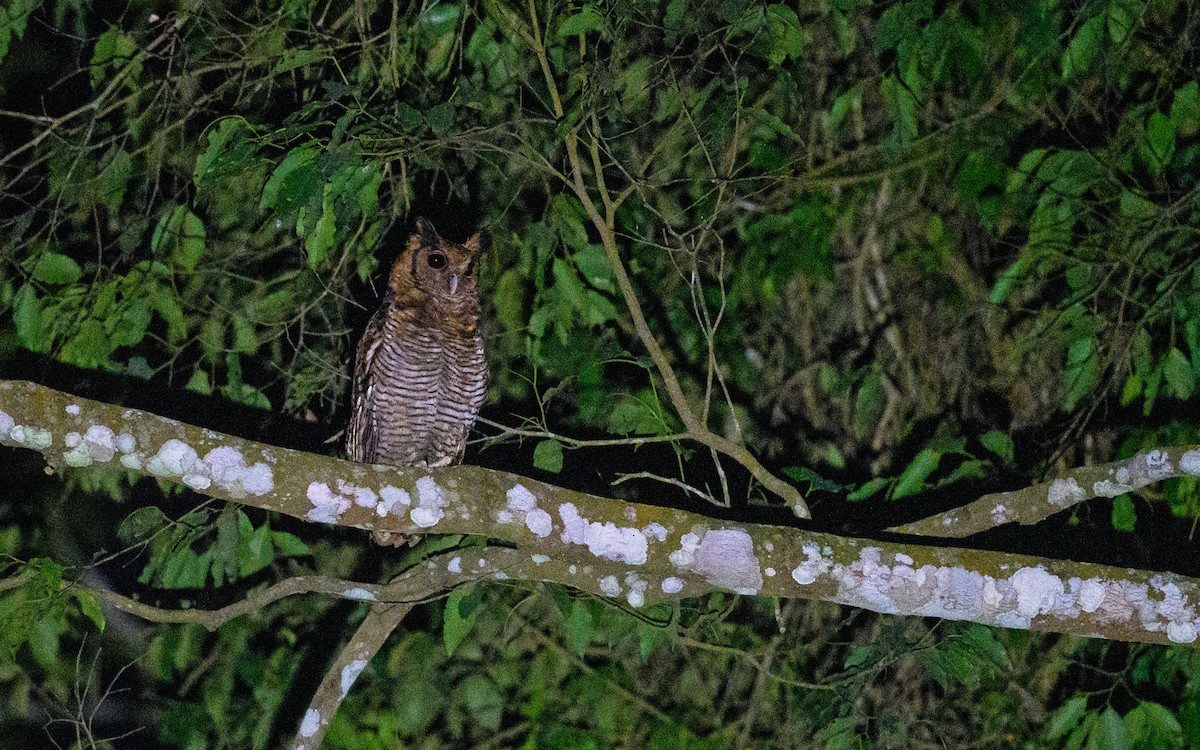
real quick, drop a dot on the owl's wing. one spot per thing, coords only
(362, 443)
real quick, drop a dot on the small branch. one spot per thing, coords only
(605, 225)
(1036, 503)
(371, 635)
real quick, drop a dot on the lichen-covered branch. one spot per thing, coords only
(1038, 502)
(640, 553)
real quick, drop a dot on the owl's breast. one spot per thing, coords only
(427, 387)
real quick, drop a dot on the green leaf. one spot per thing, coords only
(548, 456)
(786, 34)
(587, 19)
(56, 268)
(293, 182)
(114, 180)
(289, 545)
(1110, 733)
(440, 118)
(1185, 110)
(458, 616)
(483, 701)
(113, 47)
(297, 58)
(912, 480)
(1078, 56)
(1152, 725)
(1122, 14)
(89, 605)
(999, 443)
(199, 383)
(1177, 371)
(632, 415)
(318, 242)
(30, 320)
(579, 627)
(1083, 372)
(1160, 140)
(1124, 515)
(1067, 718)
(89, 347)
(870, 488)
(141, 523)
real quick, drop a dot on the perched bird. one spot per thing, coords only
(421, 375)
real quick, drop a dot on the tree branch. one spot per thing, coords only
(640, 553)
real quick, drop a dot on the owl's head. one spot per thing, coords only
(438, 267)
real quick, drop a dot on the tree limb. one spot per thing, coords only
(640, 553)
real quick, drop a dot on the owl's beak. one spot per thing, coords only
(453, 283)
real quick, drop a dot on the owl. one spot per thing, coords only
(420, 375)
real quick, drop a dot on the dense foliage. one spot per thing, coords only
(899, 245)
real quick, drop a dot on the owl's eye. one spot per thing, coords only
(470, 267)
(437, 260)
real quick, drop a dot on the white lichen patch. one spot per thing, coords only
(610, 586)
(311, 723)
(389, 498)
(174, 459)
(635, 589)
(226, 467)
(521, 499)
(1000, 514)
(350, 673)
(1109, 488)
(1181, 632)
(77, 453)
(606, 540)
(1090, 593)
(1158, 465)
(725, 557)
(360, 594)
(431, 503)
(6, 423)
(522, 508)
(656, 531)
(31, 437)
(258, 479)
(816, 565)
(328, 506)
(73, 409)
(1064, 493)
(101, 442)
(769, 572)
(539, 559)
(363, 497)
(1189, 463)
(672, 585)
(539, 523)
(902, 558)
(126, 443)
(688, 544)
(455, 565)
(1037, 591)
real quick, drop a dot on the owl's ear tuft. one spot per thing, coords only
(475, 244)
(426, 231)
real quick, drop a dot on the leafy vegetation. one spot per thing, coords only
(888, 248)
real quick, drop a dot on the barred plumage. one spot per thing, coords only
(421, 374)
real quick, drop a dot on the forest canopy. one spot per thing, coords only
(857, 261)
